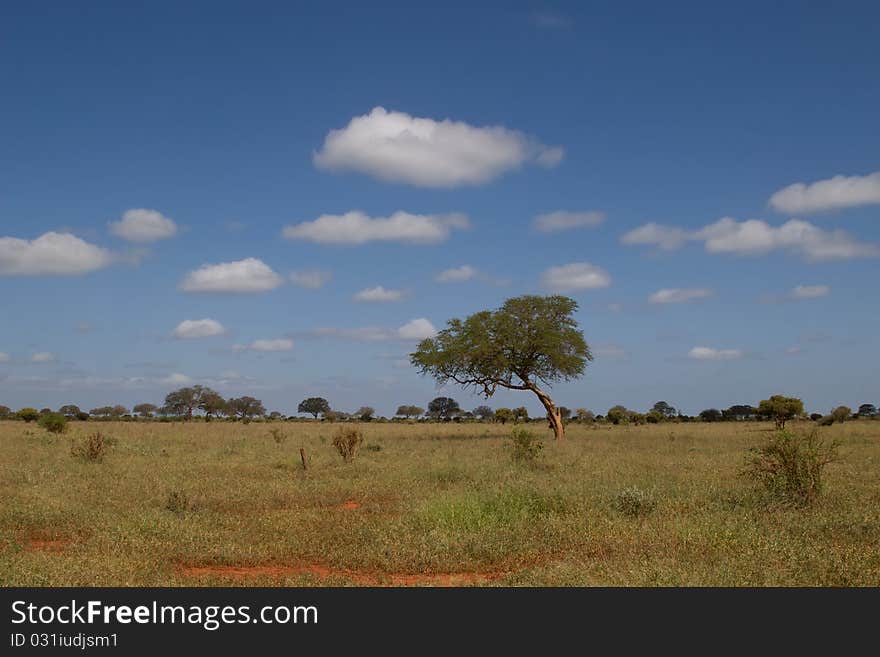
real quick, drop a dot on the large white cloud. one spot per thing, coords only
(312, 279)
(396, 147)
(552, 222)
(679, 295)
(356, 227)
(143, 226)
(710, 353)
(58, 254)
(575, 276)
(834, 193)
(456, 274)
(378, 294)
(754, 237)
(415, 329)
(198, 328)
(249, 275)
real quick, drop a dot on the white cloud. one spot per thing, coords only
(355, 227)
(456, 274)
(831, 194)
(176, 379)
(378, 294)
(198, 328)
(58, 254)
(552, 222)
(575, 276)
(279, 344)
(4, 357)
(415, 329)
(312, 279)
(754, 236)
(142, 226)
(396, 147)
(709, 353)
(42, 357)
(679, 295)
(810, 291)
(249, 275)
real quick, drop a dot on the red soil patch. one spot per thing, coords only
(351, 505)
(48, 544)
(356, 577)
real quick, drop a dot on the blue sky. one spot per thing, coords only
(139, 145)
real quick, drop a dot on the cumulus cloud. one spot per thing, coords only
(415, 329)
(312, 279)
(198, 328)
(176, 379)
(810, 291)
(456, 274)
(575, 276)
(552, 222)
(755, 237)
(378, 294)
(42, 357)
(834, 193)
(709, 353)
(396, 147)
(356, 227)
(143, 226)
(679, 295)
(249, 275)
(51, 254)
(279, 344)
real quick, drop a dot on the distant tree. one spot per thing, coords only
(5, 412)
(484, 412)
(815, 416)
(867, 410)
(739, 412)
(315, 406)
(564, 412)
(653, 417)
(212, 404)
(69, 411)
(663, 409)
(711, 415)
(520, 414)
(841, 414)
(443, 408)
(781, 409)
(366, 413)
(246, 407)
(409, 411)
(529, 343)
(185, 401)
(145, 410)
(53, 422)
(584, 415)
(503, 415)
(118, 411)
(45, 411)
(29, 414)
(637, 418)
(102, 411)
(618, 414)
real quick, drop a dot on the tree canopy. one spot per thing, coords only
(315, 406)
(781, 409)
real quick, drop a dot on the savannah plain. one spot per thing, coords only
(427, 504)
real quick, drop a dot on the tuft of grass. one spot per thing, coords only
(347, 441)
(634, 502)
(92, 447)
(177, 502)
(525, 446)
(277, 435)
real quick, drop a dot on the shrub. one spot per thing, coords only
(790, 467)
(177, 502)
(91, 448)
(634, 502)
(525, 446)
(29, 414)
(826, 420)
(348, 441)
(53, 422)
(277, 435)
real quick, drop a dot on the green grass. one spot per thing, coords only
(433, 499)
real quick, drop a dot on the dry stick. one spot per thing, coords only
(304, 458)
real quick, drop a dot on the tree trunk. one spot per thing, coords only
(554, 417)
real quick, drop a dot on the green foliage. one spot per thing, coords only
(634, 502)
(584, 415)
(90, 448)
(366, 413)
(711, 415)
(790, 467)
(867, 410)
(443, 408)
(525, 446)
(246, 407)
(53, 422)
(618, 414)
(5, 412)
(347, 441)
(780, 409)
(841, 413)
(503, 415)
(29, 414)
(409, 411)
(315, 406)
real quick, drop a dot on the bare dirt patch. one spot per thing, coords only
(42, 544)
(351, 505)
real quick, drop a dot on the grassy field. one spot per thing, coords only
(424, 505)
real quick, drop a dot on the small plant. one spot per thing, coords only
(277, 435)
(177, 502)
(91, 448)
(634, 502)
(526, 446)
(791, 467)
(373, 448)
(347, 441)
(53, 422)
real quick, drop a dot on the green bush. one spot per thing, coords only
(28, 414)
(347, 441)
(53, 422)
(525, 446)
(634, 502)
(790, 467)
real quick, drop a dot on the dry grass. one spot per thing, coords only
(434, 501)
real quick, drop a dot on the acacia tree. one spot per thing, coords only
(484, 412)
(246, 407)
(212, 403)
(665, 410)
(867, 410)
(408, 411)
(145, 410)
(529, 343)
(5, 412)
(69, 411)
(503, 415)
(185, 400)
(443, 408)
(781, 409)
(314, 406)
